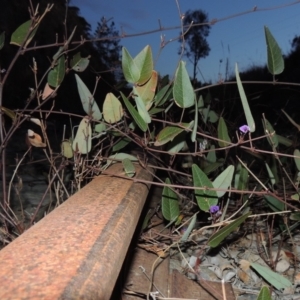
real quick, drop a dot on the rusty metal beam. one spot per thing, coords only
(77, 251)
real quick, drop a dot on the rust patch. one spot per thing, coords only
(76, 252)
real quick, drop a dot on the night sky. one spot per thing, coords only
(239, 39)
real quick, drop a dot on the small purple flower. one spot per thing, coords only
(214, 208)
(244, 129)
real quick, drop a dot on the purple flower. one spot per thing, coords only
(214, 208)
(244, 129)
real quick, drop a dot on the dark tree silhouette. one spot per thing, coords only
(109, 48)
(194, 40)
(52, 29)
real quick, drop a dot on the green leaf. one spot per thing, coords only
(101, 127)
(168, 134)
(141, 107)
(160, 95)
(284, 141)
(195, 128)
(120, 157)
(211, 155)
(205, 198)
(128, 167)
(183, 91)
(10, 113)
(200, 103)
(212, 116)
(297, 158)
(247, 111)
(169, 203)
(205, 112)
(2, 39)
(147, 91)
(271, 175)
(19, 35)
(112, 109)
(121, 144)
(130, 70)
(155, 110)
(87, 99)
(291, 120)
(219, 236)
(242, 183)
(223, 181)
(135, 115)
(147, 219)
(212, 167)
(58, 54)
(274, 203)
(223, 133)
(83, 139)
(144, 63)
(295, 216)
(65, 46)
(278, 281)
(57, 74)
(272, 137)
(264, 294)
(163, 95)
(189, 229)
(177, 144)
(275, 58)
(66, 149)
(78, 63)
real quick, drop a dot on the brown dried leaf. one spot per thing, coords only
(35, 139)
(244, 271)
(47, 91)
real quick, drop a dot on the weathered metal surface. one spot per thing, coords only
(77, 251)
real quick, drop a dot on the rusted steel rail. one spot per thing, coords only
(77, 251)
